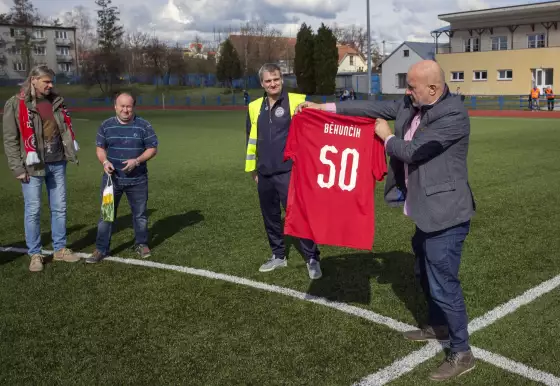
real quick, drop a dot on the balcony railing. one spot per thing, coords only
(448, 48)
(64, 58)
(62, 41)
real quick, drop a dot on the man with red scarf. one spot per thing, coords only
(39, 141)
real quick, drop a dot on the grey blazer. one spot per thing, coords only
(438, 195)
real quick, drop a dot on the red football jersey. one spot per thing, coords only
(336, 161)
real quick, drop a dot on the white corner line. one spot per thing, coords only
(400, 366)
(516, 367)
(513, 305)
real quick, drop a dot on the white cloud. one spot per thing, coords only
(391, 20)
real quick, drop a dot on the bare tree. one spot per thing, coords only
(353, 35)
(156, 58)
(86, 40)
(135, 45)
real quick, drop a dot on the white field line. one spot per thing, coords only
(514, 304)
(516, 367)
(401, 366)
(352, 310)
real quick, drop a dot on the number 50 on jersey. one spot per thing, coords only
(338, 174)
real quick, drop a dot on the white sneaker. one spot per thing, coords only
(314, 269)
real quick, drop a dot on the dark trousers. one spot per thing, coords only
(137, 196)
(550, 104)
(273, 191)
(438, 256)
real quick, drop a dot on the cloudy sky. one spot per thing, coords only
(180, 20)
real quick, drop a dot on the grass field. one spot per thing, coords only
(115, 323)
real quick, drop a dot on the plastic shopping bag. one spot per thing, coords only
(108, 202)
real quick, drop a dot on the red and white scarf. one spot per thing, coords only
(28, 134)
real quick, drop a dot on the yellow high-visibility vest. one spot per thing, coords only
(254, 110)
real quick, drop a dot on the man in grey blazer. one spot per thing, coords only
(428, 176)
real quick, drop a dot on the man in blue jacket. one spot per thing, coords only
(268, 123)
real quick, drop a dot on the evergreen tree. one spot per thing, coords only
(304, 63)
(109, 31)
(229, 65)
(106, 64)
(326, 61)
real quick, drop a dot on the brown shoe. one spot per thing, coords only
(428, 333)
(95, 257)
(36, 264)
(454, 365)
(67, 255)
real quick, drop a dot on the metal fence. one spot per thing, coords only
(496, 102)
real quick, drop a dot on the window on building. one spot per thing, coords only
(60, 35)
(40, 50)
(16, 50)
(64, 67)
(406, 53)
(505, 74)
(472, 45)
(480, 75)
(351, 60)
(62, 51)
(548, 75)
(401, 81)
(457, 76)
(499, 43)
(19, 66)
(38, 33)
(535, 41)
(16, 32)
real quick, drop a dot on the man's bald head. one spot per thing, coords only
(426, 82)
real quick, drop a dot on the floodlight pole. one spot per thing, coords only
(368, 50)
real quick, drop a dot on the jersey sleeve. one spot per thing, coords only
(378, 158)
(292, 142)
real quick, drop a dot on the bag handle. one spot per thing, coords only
(109, 180)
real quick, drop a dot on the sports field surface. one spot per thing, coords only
(198, 312)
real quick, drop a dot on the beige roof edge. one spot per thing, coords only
(456, 16)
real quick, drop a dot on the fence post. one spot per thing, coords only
(473, 102)
(107, 101)
(172, 101)
(188, 101)
(140, 100)
(521, 102)
(203, 100)
(156, 101)
(324, 98)
(501, 102)
(219, 100)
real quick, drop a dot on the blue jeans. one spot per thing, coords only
(438, 256)
(137, 196)
(55, 180)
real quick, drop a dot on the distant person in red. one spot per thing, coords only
(428, 174)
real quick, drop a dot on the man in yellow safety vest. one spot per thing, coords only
(268, 123)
